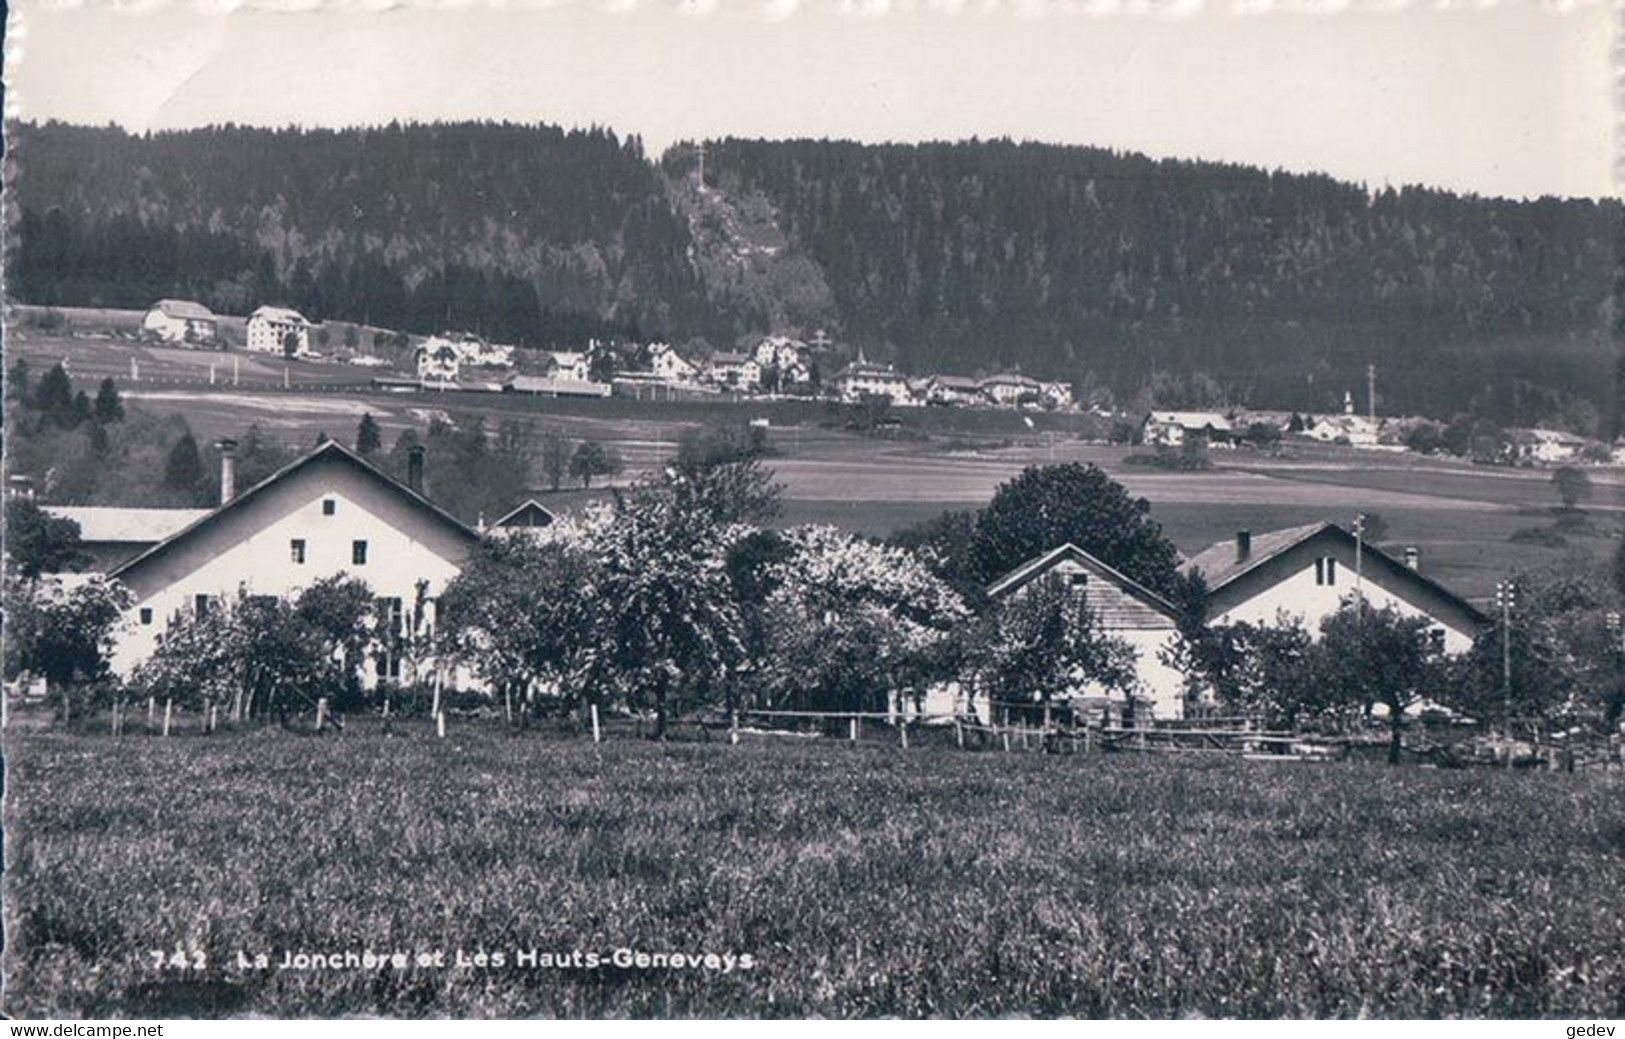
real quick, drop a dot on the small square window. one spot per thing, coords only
(1077, 579)
(1326, 571)
(358, 553)
(296, 547)
(329, 507)
(146, 615)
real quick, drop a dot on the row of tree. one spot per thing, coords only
(674, 597)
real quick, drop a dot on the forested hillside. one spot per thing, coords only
(1190, 283)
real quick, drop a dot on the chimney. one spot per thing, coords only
(1413, 557)
(1244, 545)
(414, 468)
(228, 470)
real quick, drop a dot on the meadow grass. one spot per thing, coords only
(862, 880)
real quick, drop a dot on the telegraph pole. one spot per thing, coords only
(1359, 568)
(1371, 393)
(1506, 594)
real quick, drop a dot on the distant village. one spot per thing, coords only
(781, 366)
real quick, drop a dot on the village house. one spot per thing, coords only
(953, 391)
(181, 321)
(1174, 428)
(527, 517)
(111, 535)
(330, 513)
(1055, 394)
(570, 365)
(1546, 446)
(1127, 611)
(864, 378)
(438, 361)
(791, 357)
(669, 366)
(1011, 389)
(735, 371)
(1308, 573)
(270, 327)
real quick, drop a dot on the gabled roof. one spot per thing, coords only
(521, 515)
(331, 449)
(184, 308)
(279, 314)
(104, 523)
(1011, 379)
(957, 382)
(1036, 567)
(869, 369)
(732, 358)
(1220, 567)
(1191, 419)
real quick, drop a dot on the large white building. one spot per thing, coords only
(866, 379)
(270, 327)
(181, 321)
(1308, 573)
(1127, 611)
(735, 371)
(669, 365)
(327, 514)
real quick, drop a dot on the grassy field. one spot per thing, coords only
(861, 882)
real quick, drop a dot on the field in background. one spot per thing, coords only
(864, 882)
(1460, 515)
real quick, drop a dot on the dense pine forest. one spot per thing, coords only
(1190, 283)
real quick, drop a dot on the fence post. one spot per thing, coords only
(435, 707)
(959, 733)
(597, 734)
(902, 733)
(152, 706)
(507, 703)
(386, 711)
(1006, 735)
(733, 727)
(67, 707)
(214, 714)
(321, 713)
(169, 712)
(852, 729)
(440, 724)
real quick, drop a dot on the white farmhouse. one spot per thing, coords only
(1011, 389)
(330, 513)
(1308, 572)
(735, 371)
(1127, 611)
(669, 366)
(270, 327)
(791, 357)
(570, 365)
(181, 321)
(866, 379)
(438, 360)
(1173, 428)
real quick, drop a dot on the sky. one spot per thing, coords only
(1509, 99)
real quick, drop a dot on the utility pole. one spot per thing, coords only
(1371, 392)
(1359, 569)
(1506, 594)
